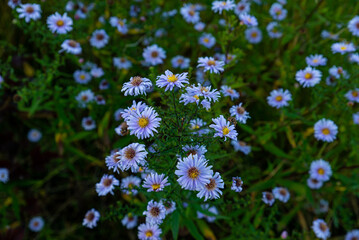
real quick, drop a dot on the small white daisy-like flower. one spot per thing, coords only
(13, 3)
(154, 55)
(241, 146)
(155, 182)
(36, 224)
(343, 47)
(99, 38)
(313, 183)
(279, 98)
(169, 205)
(210, 64)
(320, 170)
(352, 235)
(189, 13)
(212, 189)
(277, 12)
(144, 124)
(274, 30)
(4, 175)
(106, 185)
(211, 209)
(309, 77)
(242, 7)
(59, 24)
(88, 123)
(193, 172)
(170, 80)
(71, 46)
(133, 156)
(85, 97)
(338, 72)
(229, 92)
(155, 213)
(321, 229)
(136, 86)
(91, 218)
(147, 231)
(140, 106)
(268, 198)
(253, 35)
(199, 150)
(237, 184)
(353, 95)
(34, 135)
(356, 118)
(180, 62)
(316, 60)
(281, 193)
(325, 130)
(82, 77)
(353, 27)
(223, 128)
(120, 24)
(129, 221)
(29, 11)
(113, 161)
(239, 113)
(219, 6)
(122, 63)
(248, 20)
(207, 40)
(129, 185)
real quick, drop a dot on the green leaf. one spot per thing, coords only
(175, 224)
(193, 229)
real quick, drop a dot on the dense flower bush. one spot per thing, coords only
(179, 120)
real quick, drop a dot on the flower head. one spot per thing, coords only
(279, 98)
(353, 95)
(281, 193)
(154, 55)
(343, 47)
(129, 185)
(248, 20)
(59, 24)
(316, 60)
(170, 80)
(212, 190)
(144, 124)
(321, 229)
(4, 175)
(36, 224)
(99, 38)
(274, 30)
(223, 128)
(91, 218)
(320, 170)
(106, 185)
(180, 62)
(325, 130)
(219, 6)
(82, 77)
(309, 77)
(313, 183)
(268, 198)
(29, 11)
(237, 184)
(34, 135)
(88, 123)
(239, 113)
(253, 35)
(210, 64)
(147, 231)
(227, 91)
(155, 182)
(113, 161)
(155, 213)
(71, 46)
(84, 97)
(136, 86)
(133, 156)
(207, 40)
(241, 146)
(129, 221)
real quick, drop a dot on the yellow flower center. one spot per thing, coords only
(206, 40)
(343, 48)
(143, 122)
(254, 34)
(155, 186)
(172, 78)
(82, 77)
(60, 23)
(325, 131)
(308, 76)
(149, 233)
(315, 60)
(195, 127)
(193, 173)
(225, 130)
(121, 23)
(321, 171)
(211, 63)
(278, 98)
(196, 97)
(355, 93)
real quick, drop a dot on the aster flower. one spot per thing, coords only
(129, 185)
(199, 26)
(279, 98)
(193, 172)
(353, 27)
(212, 189)
(219, 6)
(242, 7)
(118, 113)
(155, 182)
(320, 170)
(274, 31)
(147, 231)
(196, 125)
(29, 11)
(154, 55)
(129, 221)
(99, 38)
(189, 13)
(106, 185)
(84, 97)
(309, 77)
(144, 124)
(325, 34)
(241, 146)
(97, 72)
(239, 113)
(281, 193)
(268, 198)
(113, 161)
(353, 95)
(352, 235)
(4, 175)
(195, 150)
(316, 60)
(354, 58)
(59, 24)
(170, 80)
(313, 183)
(169, 205)
(321, 229)
(140, 106)
(13, 3)
(71, 46)
(207, 40)
(223, 128)
(325, 130)
(155, 213)
(229, 92)
(104, 85)
(237, 184)
(121, 63)
(34, 135)
(180, 62)
(211, 65)
(136, 86)
(356, 118)
(343, 47)
(133, 156)
(248, 20)
(36, 224)
(91, 218)
(338, 72)
(120, 24)
(323, 207)
(211, 209)
(253, 35)
(200, 95)
(88, 123)
(122, 129)
(82, 77)
(277, 12)
(1, 81)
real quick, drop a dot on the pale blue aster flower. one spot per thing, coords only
(253, 35)
(338, 72)
(199, 150)
(248, 20)
(106, 185)
(113, 161)
(237, 184)
(99, 38)
(59, 24)
(309, 77)
(136, 86)
(190, 13)
(313, 183)
(279, 98)
(85, 97)
(325, 130)
(197, 126)
(155, 182)
(207, 40)
(71, 46)
(129, 221)
(170, 80)
(316, 60)
(242, 7)
(241, 146)
(321, 229)
(180, 62)
(281, 193)
(91, 218)
(268, 198)
(353, 95)
(36, 224)
(219, 6)
(211, 209)
(356, 118)
(155, 213)
(34, 135)
(147, 231)
(223, 128)
(229, 92)
(121, 63)
(129, 185)
(140, 106)
(320, 170)
(104, 85)
(88, 123)
(144, 124)
(212, 190)
(353, 27)
(120, 24)
(342, 47)
(354, 58)
(211, 65)
(4, 175)
(352, 235)
(154, 55)
(133, 156)
(274, 30)
(29, 11)
(239, 113)
(169, 205)
(278, 12)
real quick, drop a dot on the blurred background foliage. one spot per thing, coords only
(55, 178)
